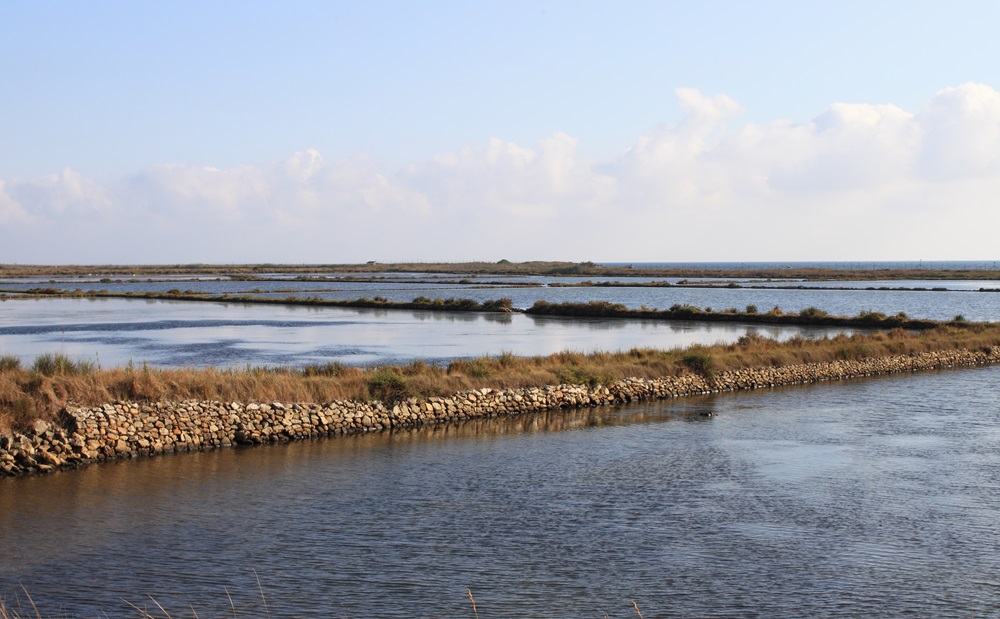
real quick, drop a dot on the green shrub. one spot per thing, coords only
(813, 312)
(591, 308)
(9, 363)
(698, 360)
(871, 316)
(386, 385)
(751, 309)
(52, 365)
(684, 310)
(499, 305)
(575, 375)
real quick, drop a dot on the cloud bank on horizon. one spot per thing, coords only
(859, 181)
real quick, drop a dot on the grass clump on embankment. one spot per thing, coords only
(41, 390)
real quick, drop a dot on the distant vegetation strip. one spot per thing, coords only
(41, 389)
(810, 316)
(418, 303)
(501, 267)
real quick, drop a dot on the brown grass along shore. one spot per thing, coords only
(42, 389)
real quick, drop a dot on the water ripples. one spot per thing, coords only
(783, 503)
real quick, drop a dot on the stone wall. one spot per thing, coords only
(130, 429)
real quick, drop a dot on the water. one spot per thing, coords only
(116, 332)
(875, 498)
(939, 305)
(855, 265)
(918, 285)
(169, 333)
(957, 296)
(870, 499)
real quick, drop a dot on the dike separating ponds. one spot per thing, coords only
(122, 430)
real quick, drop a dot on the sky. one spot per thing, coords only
(636, 131)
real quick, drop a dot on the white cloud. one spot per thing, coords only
(10, 210)
(66, 194)
(961, 133)
(857, 181)
(501, 179)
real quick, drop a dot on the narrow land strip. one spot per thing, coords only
(84, 435)
(501, 267)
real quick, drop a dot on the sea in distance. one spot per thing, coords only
(875, 497)
(943, 265)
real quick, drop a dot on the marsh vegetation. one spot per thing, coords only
(39, 389)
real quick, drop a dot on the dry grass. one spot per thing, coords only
(40, 391)
(19, 611)
(144, 612)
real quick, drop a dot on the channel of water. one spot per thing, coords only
(875, 498)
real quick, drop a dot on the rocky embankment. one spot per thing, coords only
(130, 429)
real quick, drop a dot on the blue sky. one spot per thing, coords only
(342, 132)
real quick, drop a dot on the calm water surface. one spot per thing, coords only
(956, 296)
(869, 499)
(876, 498)
(114, 332)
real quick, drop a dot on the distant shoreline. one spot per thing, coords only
(868, 271)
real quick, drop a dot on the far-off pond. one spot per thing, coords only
(116, 332)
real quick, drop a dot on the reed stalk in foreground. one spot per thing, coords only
(144, 612)
(51, 382)
(18, 613)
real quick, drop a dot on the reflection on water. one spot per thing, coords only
(872, 498)
(940, 300)
(119, 331)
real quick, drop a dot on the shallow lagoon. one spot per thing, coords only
(959, 297)
(174, 333)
